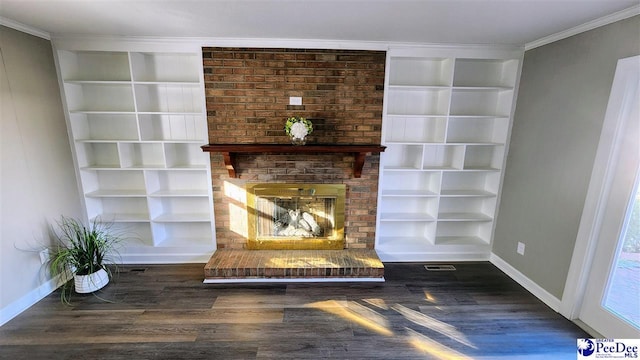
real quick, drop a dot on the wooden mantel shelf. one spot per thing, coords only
(230, 150)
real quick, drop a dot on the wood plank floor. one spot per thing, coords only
(166, 312)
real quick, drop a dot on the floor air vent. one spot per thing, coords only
(440, 267)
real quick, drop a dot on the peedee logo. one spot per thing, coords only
(629, 352)
(585, 347)
(608, 348)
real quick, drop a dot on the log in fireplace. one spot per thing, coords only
(295, 216)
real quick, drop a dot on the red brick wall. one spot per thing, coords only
(247, 94)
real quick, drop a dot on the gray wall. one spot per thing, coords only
(563, 95)
(37, 178)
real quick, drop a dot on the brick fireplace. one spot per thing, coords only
(247, 98)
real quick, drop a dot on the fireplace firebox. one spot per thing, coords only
(295, 216)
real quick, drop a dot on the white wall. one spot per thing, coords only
(37, 178)
(562, 99)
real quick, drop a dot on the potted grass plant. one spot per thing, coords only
(85, 252)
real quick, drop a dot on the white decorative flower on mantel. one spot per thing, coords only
(298, 128)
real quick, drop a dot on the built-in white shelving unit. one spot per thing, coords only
(137, 121)
(446, 126)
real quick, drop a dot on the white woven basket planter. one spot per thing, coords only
(85, 284)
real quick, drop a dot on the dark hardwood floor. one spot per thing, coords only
(166, 312)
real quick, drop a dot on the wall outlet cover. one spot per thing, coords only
(44, 256)
(520, 248)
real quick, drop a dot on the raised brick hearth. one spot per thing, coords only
(294, 265)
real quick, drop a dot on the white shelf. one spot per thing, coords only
(415, 71)
(443, 157)
(136, 233)
(406, 217)
(165, 67)
(183, 234)
(481, 88)
(402, 157)
(401, 168)
(173, 127)
(94, 65)
(168, 113)
(409, 244)
(169, 98)
(415, 129)
(177, 181)
(418, 232)
(483, 157)
(470, 143)
(116, 193)
(445, 125)
(180, 193)
(424, 102)
(170, 83)
(99, 82)
(419, 87)
(460, 240)
(471, 102)
(179, 209)
(481, 168)
(462, 216)
(111, 141)
(485, 72)
(185, 155)
(183, 167)
(423, 183)
(102, 112)
(101, 167)
(419, 116)
(466, 208)
(490, 130)
(103, 183)
(480, 182)
(189, 242)
(409, 193)
(137, 120)
(190, 217)
(99, 97)
(122, 218)
(98, 155)
(118, 209)
(141, 155)
(466, 193)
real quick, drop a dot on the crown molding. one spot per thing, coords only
(24, 28)
(605, 20)
(119, 43)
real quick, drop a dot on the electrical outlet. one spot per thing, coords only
(44, 256)
(520, 248)
(295, 100)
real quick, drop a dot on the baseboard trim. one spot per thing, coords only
(588, 329)
(291, 280)
(430, 257)
(128, 259)
(31, 298)
(542, 294)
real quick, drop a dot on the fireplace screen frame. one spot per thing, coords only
(332, 241)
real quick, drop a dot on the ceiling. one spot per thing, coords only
(497, 22)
